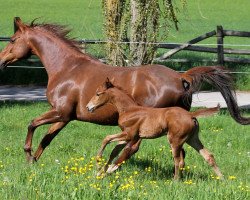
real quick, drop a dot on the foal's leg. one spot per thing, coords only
(49, 117)
(110, 138)
(177, 152)
(195, 142)
(53, 131)
(182, 157)
(117, 149)
(130, 149)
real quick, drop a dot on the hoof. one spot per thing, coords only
(31, 159)
(101, 173)
(112, 168)
(99, 163)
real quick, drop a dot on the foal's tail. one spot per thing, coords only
(220, 78)
(205, 112)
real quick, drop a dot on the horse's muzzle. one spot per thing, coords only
(90, 108)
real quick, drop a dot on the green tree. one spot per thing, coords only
(139, 22)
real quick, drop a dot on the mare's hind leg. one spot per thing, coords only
(47, 118)
(195, 142)
(53, 131)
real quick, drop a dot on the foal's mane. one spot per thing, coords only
(60, 31)
(125, 91)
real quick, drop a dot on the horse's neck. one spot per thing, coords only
(52, 51)
(122, 101)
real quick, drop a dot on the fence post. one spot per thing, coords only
(220, 48)
(15, 27)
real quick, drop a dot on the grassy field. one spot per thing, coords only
(67, 169)
(86, 20)
(85, 17)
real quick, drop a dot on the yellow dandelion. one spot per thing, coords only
(231, 177)
(82, 158)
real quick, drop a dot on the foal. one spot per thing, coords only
(137, 123)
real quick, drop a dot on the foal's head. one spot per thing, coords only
(101, 96)
(18, 46)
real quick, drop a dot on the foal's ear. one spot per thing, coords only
(19, 25)
(108, 83)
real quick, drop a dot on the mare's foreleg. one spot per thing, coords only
(53, 131)
(47, 118)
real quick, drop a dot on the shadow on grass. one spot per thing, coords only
(163, 173)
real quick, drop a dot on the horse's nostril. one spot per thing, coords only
(90, 109)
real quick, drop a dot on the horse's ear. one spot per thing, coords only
(19, 25)
(108, 83)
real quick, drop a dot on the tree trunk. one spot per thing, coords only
(114, 27)
(143, 18)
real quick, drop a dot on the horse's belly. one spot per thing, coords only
(105, 115)
(151, 131)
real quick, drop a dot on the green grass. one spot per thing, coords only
(83, 16)
(86, 20)
(67, 170)
(148, 175)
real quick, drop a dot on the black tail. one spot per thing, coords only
(220, 78)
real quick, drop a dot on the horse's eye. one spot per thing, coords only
(99, 93)
(12, 40)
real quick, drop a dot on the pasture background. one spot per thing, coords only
(148, 174)
(67, 169)
(85, 19)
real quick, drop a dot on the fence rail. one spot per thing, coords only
(191, 45)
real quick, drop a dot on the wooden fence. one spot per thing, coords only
(220, 34)
(220, 50)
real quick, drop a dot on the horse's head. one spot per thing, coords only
(101, 96)
(17, 48)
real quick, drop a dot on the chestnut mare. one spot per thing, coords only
(74, 76)
(138, 122)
